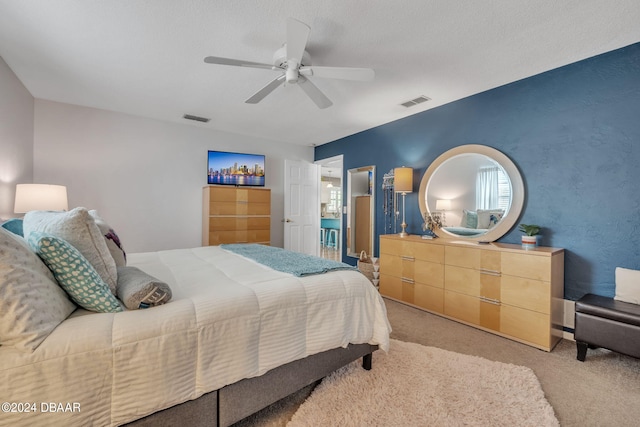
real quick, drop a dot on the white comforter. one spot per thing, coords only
(230, 318)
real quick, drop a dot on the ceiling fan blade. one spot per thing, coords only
(314, 93)
(362, 74)
(235, 62)
(297, 36)
(270, 87)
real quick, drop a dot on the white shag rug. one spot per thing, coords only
(414, 385)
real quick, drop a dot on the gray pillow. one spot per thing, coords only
(137, 289)
(79, 229)
(31, 302)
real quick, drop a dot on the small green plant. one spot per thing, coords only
(530, 229)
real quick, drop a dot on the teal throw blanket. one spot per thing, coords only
(286, 261)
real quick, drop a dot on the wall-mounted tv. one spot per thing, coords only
(237, 169)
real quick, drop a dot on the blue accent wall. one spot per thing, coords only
(574, 134)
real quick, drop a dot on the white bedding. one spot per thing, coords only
(230, 318)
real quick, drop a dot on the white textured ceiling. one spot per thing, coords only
(145, 57)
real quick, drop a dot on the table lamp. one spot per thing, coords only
(403, 184)
(40, 197)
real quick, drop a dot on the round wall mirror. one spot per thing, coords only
(475, 192)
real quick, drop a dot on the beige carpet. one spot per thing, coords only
(414, 385)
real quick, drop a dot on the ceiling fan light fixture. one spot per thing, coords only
(292, 71)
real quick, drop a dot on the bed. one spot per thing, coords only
(235, 337)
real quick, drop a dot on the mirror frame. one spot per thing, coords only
(351, 212)
(517, 191)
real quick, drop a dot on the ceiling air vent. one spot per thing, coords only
(416, 101)
(195, 118)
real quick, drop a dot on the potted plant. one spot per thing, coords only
(531, 232)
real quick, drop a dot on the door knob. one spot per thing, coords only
(287, 220)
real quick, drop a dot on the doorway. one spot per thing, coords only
(331, 211)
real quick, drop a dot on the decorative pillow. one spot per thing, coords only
(469, 219)
(627, 285)
(112, 239)
(74, 273)
(137, 289)
(14, 225)
(31, 302)
(484, 217)
(494, 219)
(79, 229)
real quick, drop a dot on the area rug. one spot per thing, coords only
(414, 385)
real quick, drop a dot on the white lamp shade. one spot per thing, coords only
(443, 205)
(403, 180)
(40, 197)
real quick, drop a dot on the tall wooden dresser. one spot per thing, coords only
(235, 215)
(501, 288)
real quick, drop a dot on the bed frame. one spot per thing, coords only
(236, 401)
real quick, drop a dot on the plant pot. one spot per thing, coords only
(529, 242)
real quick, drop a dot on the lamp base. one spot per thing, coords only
(403, 232)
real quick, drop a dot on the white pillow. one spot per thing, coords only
(79, 229)
(31, 302)
(627, 285)
(484, 217)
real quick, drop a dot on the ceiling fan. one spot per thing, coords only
(295, 63)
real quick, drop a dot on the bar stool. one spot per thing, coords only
(323, 237)
(332, 238)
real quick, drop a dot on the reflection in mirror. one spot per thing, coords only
(470, 193)
(360, 210)
(475, 191)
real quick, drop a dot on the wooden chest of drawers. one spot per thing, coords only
(500, 288)
(235, 215)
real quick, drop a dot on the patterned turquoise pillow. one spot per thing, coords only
(469, 219)
(74, 273)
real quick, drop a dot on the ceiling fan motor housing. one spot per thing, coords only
(280, 58)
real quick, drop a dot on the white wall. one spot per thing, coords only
(144, 176)
(16, 137)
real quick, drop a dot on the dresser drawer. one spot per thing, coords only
(390, 286)
(471, 282)
(429, 273)
(477, 259)
(239, 195)
(406, 290)
(239, 236)
(239, 208)
(526, 325)
(230, 223)
(412, 249)
(527, 266)
(529, 294)
(428, 297)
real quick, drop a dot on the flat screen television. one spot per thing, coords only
(239, 169)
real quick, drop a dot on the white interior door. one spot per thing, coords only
(302, 207)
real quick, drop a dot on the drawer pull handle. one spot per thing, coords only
(490, 300)
(408, 258)
(407, 280)
(490, 272)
